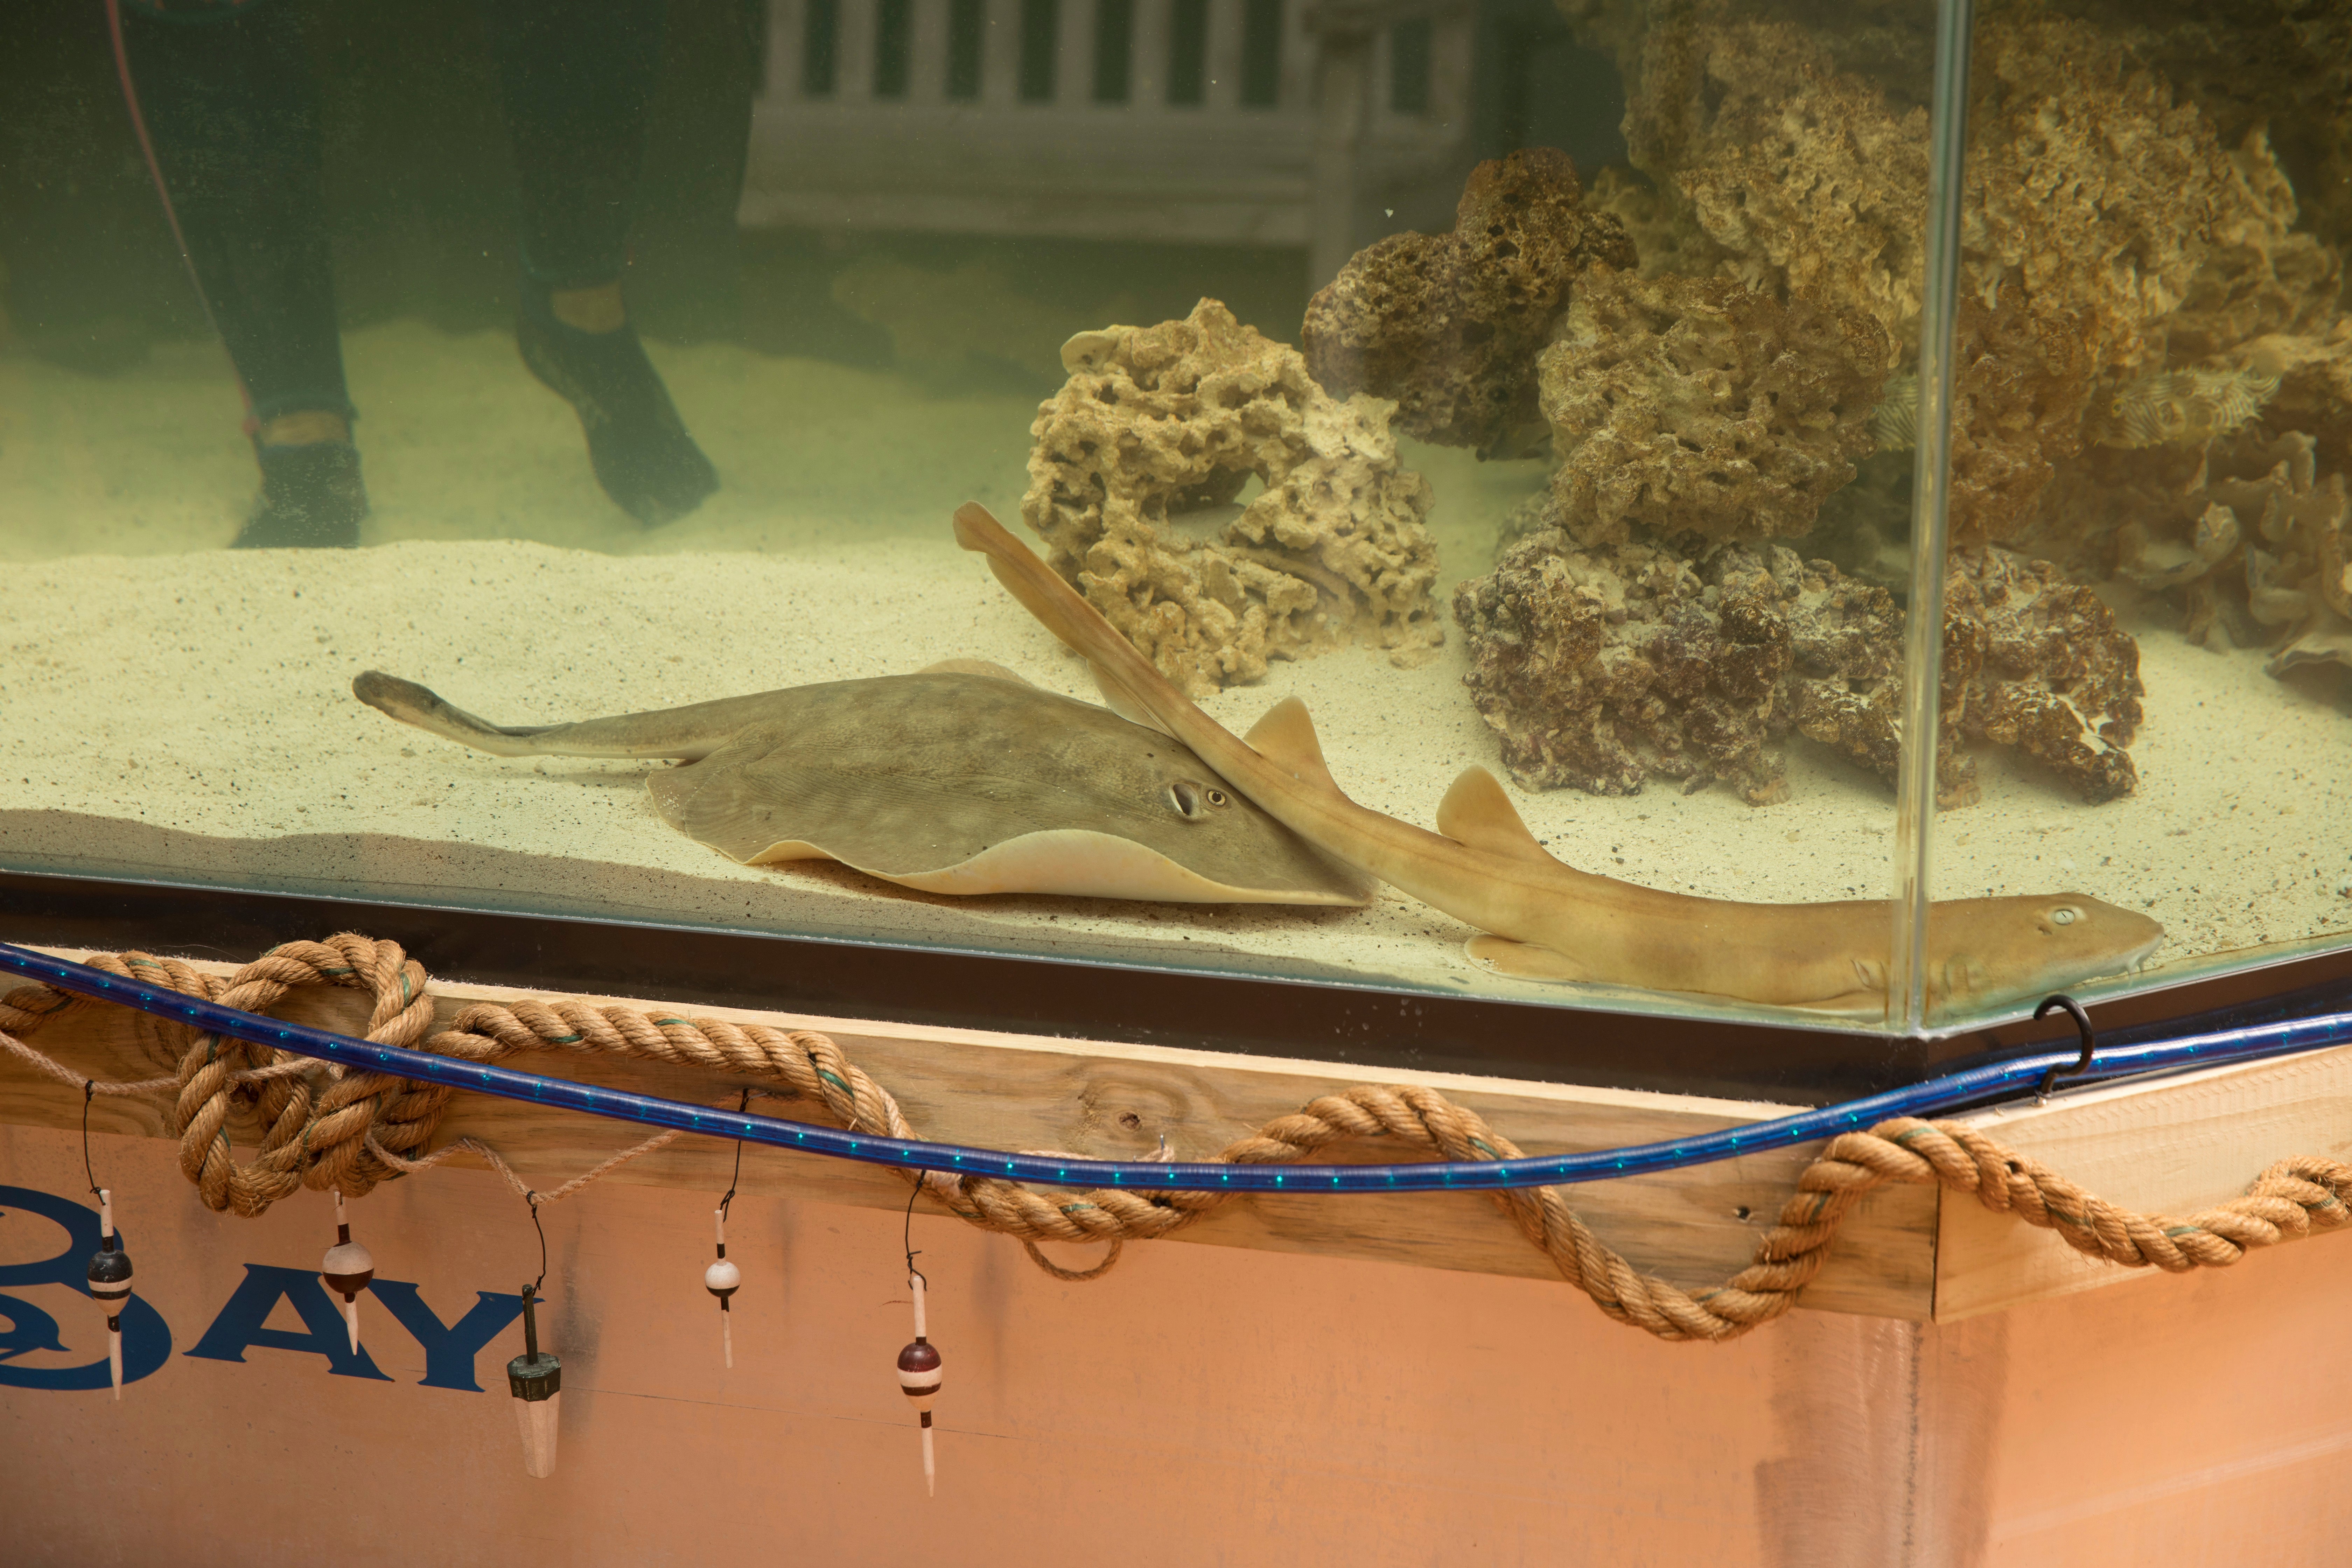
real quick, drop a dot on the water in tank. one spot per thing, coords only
(1426, 494)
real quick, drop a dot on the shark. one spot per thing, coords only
(1540, 919)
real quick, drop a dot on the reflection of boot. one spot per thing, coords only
(636, 443)
(311, 498)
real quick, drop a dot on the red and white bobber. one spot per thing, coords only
(109, 1284)
(919, 1378)
(721, 1279)
(347, 1270)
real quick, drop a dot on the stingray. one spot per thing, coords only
(962, 778)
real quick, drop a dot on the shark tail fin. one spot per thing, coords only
(1285, 737)
(1060, 610)
(1476, 812)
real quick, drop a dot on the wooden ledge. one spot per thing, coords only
(1904, 1253)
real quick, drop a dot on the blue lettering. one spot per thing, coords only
(449, 1350)
(146, 1338)
(238, 1327)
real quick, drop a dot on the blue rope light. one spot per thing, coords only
(1975, 1085)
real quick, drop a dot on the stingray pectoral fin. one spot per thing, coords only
(1285, 737)
(1082, 863)
(988, 668)
(1523, 960)
(789, 850)
(1476, 812)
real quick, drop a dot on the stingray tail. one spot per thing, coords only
(414, 705)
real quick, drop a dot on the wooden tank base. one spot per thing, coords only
(1909, 1253)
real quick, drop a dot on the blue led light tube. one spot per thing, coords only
(1976, 1085)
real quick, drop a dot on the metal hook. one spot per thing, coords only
(2082, 1027)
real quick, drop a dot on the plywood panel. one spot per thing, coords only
(2168, 1147)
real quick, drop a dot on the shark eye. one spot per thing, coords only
(1219, 797)
(2064, 915)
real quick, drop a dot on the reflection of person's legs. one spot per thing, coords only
(578, 81)
(232, 113)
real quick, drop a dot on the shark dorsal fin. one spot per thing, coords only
(1285, 737)
(1122, 701)
(1477, 813)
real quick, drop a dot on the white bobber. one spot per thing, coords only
(109, 1284)
(347, 1269)
(722, 1279)
(536, 1381)
(918, 1379)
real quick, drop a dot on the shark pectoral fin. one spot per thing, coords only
(1477, 813)
(975, 667)
(1522, 960)
(1121, 702)
(1285, 737)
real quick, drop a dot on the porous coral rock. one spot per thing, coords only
(1602, 667)
(2037, 662)
(1448, 325)
(1696, 404)
(1154, 421)
(2254, 540)
(2180, 407)
(2105, 216)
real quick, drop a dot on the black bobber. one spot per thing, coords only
(109, 1284)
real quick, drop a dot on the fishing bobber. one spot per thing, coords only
(722, 1279)
(109, 1284)
(536, 1381)
(919, 1377)
(347, 1270)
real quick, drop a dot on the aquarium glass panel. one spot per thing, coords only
(1482, 449)
(2145, 713)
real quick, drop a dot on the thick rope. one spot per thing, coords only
(362, 1128)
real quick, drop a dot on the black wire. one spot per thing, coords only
(89, 1088)
(913, 1273)
(532, 1199)
(731, 1181)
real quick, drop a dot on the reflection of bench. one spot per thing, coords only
(1226, 122)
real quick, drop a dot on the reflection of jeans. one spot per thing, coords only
(232, 108)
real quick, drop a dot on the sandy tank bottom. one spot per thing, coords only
(179, 711)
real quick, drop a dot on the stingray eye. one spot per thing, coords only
(2064, 915)
(1219, 797)
(1185, 796)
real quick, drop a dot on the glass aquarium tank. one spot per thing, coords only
(1830, 515)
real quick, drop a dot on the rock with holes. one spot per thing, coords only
(1449, 325)
(1605, 666)
(1157, 426)
(1694, 405)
